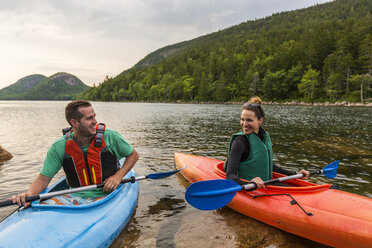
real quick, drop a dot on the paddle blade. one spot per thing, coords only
(163, 174)
(330, 170)
(211, 194)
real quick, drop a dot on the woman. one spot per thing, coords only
(250, 151)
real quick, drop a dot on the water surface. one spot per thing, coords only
(303, 137)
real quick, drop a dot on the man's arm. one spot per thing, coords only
(114, 181)
(38, 185)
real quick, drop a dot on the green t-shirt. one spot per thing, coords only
(54, 158)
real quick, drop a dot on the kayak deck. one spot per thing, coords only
(90, 225)
(340, 219)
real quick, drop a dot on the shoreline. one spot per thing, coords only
(344, 103)
(293, 103)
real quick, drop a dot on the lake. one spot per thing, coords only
(303, 137)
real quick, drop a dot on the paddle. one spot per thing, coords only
(213, 194)
(95, 186)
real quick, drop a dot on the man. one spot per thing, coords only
(88, 153)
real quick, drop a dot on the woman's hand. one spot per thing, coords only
(305, 173)
(258, 181)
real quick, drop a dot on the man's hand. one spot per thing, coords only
(112, 183)
(38, 185)
(20, 200)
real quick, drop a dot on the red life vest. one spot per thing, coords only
(91, 167)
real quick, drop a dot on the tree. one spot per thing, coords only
(366, 54)
(273, 85)
(263, 57)
(337, 70)
(221, 91)
(166, 82)
(292, 79)
(203, 89)
(309, 82)
(334, 84)
(188, 87)
(364, 81)
(255, 85)
(249, 85)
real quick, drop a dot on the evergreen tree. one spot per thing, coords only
(309, 54)
(309, 82)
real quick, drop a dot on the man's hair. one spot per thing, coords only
(72, 110)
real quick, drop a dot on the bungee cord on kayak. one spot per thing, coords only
(293, 202)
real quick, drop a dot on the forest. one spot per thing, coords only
(319, 54)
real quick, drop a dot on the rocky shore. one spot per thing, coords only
(344, 103)
(4, 155)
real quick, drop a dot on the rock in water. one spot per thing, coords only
(4, 155)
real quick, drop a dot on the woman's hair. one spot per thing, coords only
(255, 105)
(72, 110)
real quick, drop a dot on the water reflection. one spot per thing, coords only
(132, 233)
(252, 233)
(303, 137)
(169, 205)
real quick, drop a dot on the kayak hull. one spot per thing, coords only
(91, 225)
(339, 219)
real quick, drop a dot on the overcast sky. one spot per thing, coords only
(95, 38)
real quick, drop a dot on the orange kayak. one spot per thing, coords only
(339, 219)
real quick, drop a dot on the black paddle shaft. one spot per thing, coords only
(278, 180)
(28, 199)
(132, 179)
(253, 185)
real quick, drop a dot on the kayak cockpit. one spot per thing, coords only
(294, 185)
(61, 184)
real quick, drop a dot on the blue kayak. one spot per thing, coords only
(91, 225)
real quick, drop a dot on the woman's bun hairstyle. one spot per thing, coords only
(255, 105)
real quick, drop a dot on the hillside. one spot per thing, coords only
(321, 53)
(21, 86)
(60, 86)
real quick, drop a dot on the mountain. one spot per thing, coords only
(21, 85)
(60, 86)
(160, 54)
(320, 53)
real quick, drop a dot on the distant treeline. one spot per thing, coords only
(322, 53)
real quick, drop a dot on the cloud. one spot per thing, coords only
(95, 38)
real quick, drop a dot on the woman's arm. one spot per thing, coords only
(281, 170)
(238, 147)
(277, 168)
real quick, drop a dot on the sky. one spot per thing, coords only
(92, 39)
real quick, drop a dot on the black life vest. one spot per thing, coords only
(90, 167)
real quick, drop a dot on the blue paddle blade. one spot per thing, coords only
(211, 194)
(330, 170)
(163, 174)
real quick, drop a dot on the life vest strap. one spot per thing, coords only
(66, 130)
(68, 135)
(99, 136)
